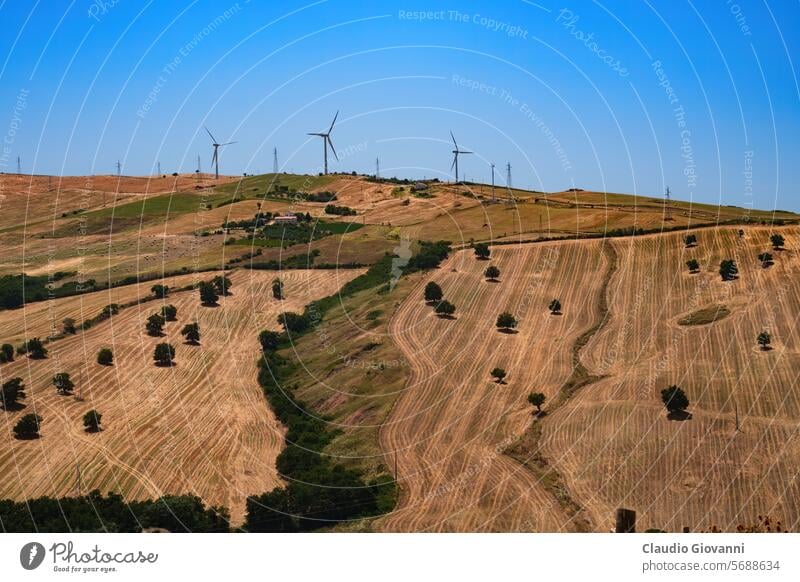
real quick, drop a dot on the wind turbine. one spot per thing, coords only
(215, 157)
(326, 141)
(456, 152)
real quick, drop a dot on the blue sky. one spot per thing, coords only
(621, 97)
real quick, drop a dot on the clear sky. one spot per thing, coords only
(625, 96)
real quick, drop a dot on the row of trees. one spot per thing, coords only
(777, 240)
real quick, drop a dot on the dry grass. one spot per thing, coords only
(201, 427)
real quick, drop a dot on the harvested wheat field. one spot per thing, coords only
(613, 442)
(201, 427)
(449, 429)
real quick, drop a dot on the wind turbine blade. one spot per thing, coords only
(319, 134)
(209, 135)
(453, 165)
(332, 122)
(229, 143)
(464, 152)
(330, 143)
(454, 139)
(214, 157)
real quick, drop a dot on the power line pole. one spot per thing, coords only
(275, 160)
(667, 206)
(508, 175)
(119, 169)
(493, 183)
(377, 168)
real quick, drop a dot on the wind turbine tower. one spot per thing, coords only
(326, 141)
(508, 176)
(275, 161)
(215, 157)
(456, 153)
(119, 169)
(377, 167)
(19, 165)
(492, 182)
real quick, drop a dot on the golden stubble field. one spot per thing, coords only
(200, 427)
(611, 443)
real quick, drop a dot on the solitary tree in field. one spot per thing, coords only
(482, 251)
(492, 273)
(91, 421)
(765, 259)
(6, 353)
(506, 321)
(690, 240)
(728, 270)
(277, 288)
(777, 241)
(674, 399)
(28, 427)
(169, 312)
(433, 292)
(269, 340)
(445, 309)
(764, 340)
(191, 333)
(155, 325)
(64, 385)
(222, 284)
(536, 399)
(160, 291)
(105, 357)
(498, 374)
(694, 266)
(164, 354)
(208, 293)
(35, 349)
(555, 307)
(11, 393)
(68, 326)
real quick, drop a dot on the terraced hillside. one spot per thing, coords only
(200, 427)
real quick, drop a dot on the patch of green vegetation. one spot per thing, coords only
(17, 290)
(706, 315)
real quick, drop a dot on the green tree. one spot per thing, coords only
(208, 293)
(433, 292)
(68, 326)
(12, 392)
(91, 421)
(269, 340)
(690, 240)
(6, 353)
(482, 250)
(728, 270)
(764, 340)
(160, 291)
(554, 306)
(506, 321)
(64, 385)
(155, 325)
(766, 259)
(105, 357)
(35, 349)
(191, 333)
(536, 399)
(674, 399)
(277, 289)
(28, 427)
(492, 273)
(292, 322)
(169, 312)
(499, 374)
(445, 309)
(693, 265)
(222, 285)
(109, 310)
(164, 354)
(777, 241)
